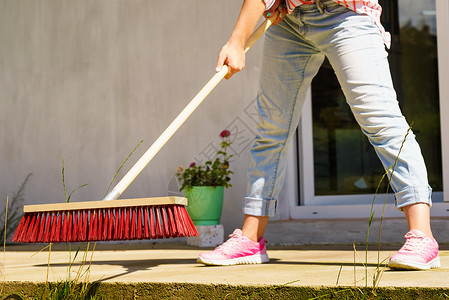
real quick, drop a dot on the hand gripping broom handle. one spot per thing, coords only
(180, 119)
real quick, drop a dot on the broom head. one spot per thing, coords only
(115, 220)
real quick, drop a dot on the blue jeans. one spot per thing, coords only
(293, 52)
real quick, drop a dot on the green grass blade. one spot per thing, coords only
(116, 173)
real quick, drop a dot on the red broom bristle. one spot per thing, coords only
(104, 226)
(94, 222)
(159, 233)
(85, 225)
(112, 220)
(91, 225)
(82, 220)
(100, 225)
(139, 224)
(29, 228)
(47, 230)
(19, 229)
(96, 227)
(166, 228)
(35, 229)
(76, 229)
(121, 229)
(104, 235)
(191, 226)
(153, 224)
(116, 224)
(65, 225)
(111, 224)
(184, 216)
(179, 222)
(82, 225)
(127, 221)
(18, 235)
(116, 215)
(185, 222)
(70, 227)
(42, 228)
(53, 227)
(77, 226)
(25, 227)
(146, 229)
(39, 226)
(169, 232)
(132, 234)
(59, 228)
(172, 221)
(75, 232)
(176, 225)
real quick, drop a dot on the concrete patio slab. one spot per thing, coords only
(176, 263)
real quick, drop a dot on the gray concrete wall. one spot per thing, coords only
(86, 81)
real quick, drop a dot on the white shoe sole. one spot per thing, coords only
(405, 265)
(246, 260)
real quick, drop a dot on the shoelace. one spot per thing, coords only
(414, 243)
(230, 243)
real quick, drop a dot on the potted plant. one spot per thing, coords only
(204, 185)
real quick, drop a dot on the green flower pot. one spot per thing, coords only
(205, 204)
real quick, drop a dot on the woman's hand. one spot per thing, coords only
(280, 8)
(233, 52)
(233, 55)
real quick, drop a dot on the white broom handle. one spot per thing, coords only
(180, 119)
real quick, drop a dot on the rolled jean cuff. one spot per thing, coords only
(259, 207)
(413, 195)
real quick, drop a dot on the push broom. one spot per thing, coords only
(124, 219)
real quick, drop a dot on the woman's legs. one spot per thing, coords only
(289, 64)
(418, 218)
(359, 59)
(291, 59)
(288, 67)
(360, 62)
(420, 251)
(254, 227)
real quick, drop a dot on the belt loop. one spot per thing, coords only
(320, 6)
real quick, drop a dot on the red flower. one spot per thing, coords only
(192, 165)
(225, 133)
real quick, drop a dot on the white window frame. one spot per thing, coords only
(323, 207)
(442, 11)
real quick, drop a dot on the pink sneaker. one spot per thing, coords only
(238, 249)
(419, 252)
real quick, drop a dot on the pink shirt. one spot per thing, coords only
(368, 7)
